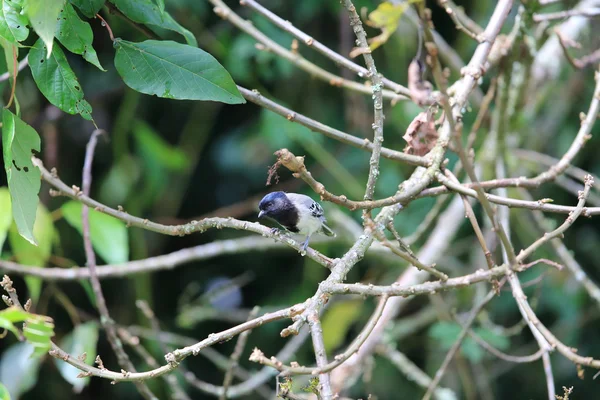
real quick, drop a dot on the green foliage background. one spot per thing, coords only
(173, 161)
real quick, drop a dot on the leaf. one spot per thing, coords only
(4, 395)
(421, 135)
(446, 333)
(19, 141)
(9, 316)
(108, 234)
(43, 16)
(76, 35)
(154, 147)
(39, 330)
(57, 81)
(5, 215)
(89, 8)
(148, 13)
(338, 320)
(174, 71)
(386, 17)
(161, 5)
(18, 371)
(83, 339)
(34, 256)
(13, 24)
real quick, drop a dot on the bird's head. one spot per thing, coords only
(271, 203)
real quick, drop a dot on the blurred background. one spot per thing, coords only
(175, 161)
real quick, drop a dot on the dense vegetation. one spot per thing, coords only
(157, 126)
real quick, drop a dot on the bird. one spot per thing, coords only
(295, 212)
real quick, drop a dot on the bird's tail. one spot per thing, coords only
(327, 230)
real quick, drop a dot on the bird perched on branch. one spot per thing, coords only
(295, 212)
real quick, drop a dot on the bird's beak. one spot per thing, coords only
(261, 214)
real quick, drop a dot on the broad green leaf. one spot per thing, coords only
(4, 394)
(39, 330)
(57, 81)
(89, 8)
(161, 5)
(13, 314)
(446, 333)
(147, 12)
(13, 24)
(108, 234)
(43, 16)
(157, 149)
(76, 35)
(83, 339)
(18, 371)
(19, 141)
(34, 256)
(5, 215)
(386, 17)
(337, 321)
(174, 71)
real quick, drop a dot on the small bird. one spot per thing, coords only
(295, 212)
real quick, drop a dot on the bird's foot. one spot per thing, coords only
(304, 247)
(275, 231)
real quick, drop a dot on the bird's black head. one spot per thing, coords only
(272, 204)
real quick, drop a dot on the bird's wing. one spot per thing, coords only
(315, 208)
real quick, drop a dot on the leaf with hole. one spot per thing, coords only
(174, 71)
(39, 330)
(108, 234)
(13, 24)
(76, 35)
(43, 16)
(82, 340)
(89, 8)
(57, 81)
(147, 12)
(19, 141)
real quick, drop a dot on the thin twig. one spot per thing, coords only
(592, 12)
(365, 144)
(377, 89)
(235, 356)
(105, 319)
(456, 345)
(320, 47)
(223, 11)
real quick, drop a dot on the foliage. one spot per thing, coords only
(166, 81)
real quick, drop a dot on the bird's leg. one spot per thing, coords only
(275, 231)
(305, 244)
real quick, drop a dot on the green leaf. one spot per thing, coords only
(19, 141)
(338, 320)
(18, 371)
(446, 333)
(5, 215)
(148, 13)
(39, 330)
(13, 24)
(154, 147)
(108, 234)
(34, 256)
(57, 81)
(89, 8)
(161, 5)
(83, 339)
(175, 71)
(4, 395)
(76, 35)
(43, 16)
